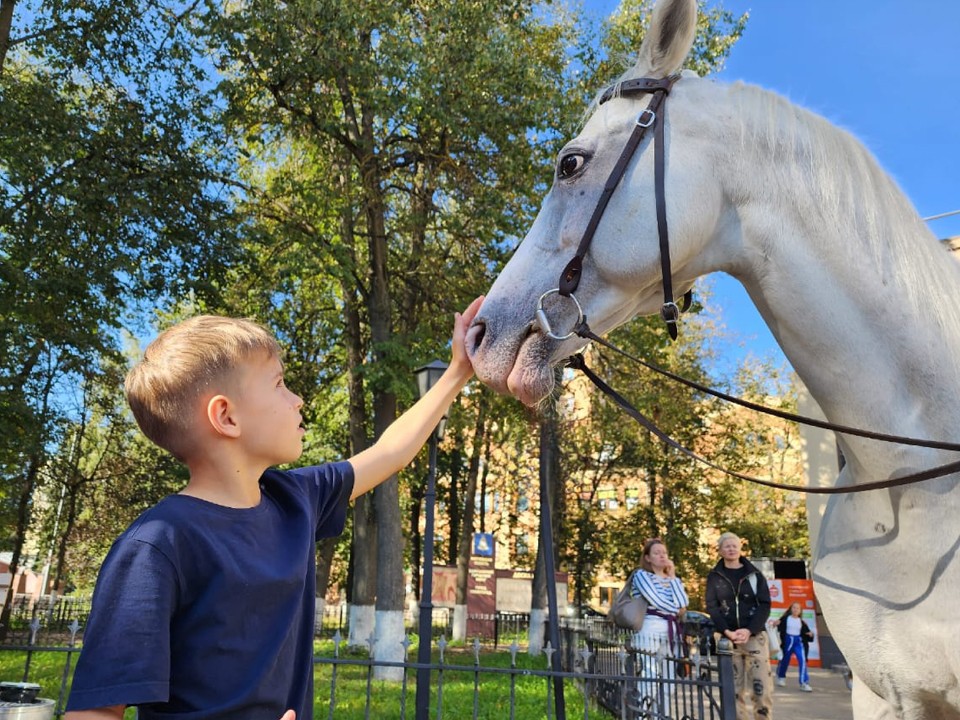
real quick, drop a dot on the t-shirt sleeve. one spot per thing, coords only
(125, 658)
(330, 488)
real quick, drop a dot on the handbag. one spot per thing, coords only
(626, 610)
(773, 642)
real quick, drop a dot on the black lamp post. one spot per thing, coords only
(427, 376)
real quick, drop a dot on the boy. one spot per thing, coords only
(204, 607)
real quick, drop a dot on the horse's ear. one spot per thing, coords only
(667, 43)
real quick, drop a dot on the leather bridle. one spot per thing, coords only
(653, 116)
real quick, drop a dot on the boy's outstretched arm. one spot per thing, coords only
(401, 442)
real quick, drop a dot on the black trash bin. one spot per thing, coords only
(19, 700)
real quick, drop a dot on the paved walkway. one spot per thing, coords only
(830, 699)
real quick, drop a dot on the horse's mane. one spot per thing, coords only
(832, 175)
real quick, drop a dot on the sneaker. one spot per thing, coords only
(781, 682)
(804, 687)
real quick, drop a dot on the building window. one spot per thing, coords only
(607, 499)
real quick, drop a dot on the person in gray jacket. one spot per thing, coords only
(738, 601)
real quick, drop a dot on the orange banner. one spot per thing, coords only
(783, 593)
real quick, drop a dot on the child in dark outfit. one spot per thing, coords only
(204, 607)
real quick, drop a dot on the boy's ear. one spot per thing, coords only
(220, 415)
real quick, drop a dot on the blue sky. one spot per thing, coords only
(887, 71)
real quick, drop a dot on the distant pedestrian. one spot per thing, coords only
(795, 637)
(738, 601)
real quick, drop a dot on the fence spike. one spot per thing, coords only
(549, 651)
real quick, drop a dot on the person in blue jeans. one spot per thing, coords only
(795, 637)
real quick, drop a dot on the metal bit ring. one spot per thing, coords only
(544, 322)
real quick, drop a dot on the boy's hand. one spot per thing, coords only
(289, 715)
(459, 360)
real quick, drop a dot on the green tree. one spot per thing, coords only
(108, 201)
(773, 521)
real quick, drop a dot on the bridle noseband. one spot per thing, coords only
(654, 116)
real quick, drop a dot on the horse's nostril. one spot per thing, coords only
(475, 336)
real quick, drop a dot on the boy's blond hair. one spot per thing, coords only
(183, 363)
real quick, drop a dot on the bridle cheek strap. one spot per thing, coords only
(669, 310)
(653, 115)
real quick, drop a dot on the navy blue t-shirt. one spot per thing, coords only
(205, 611)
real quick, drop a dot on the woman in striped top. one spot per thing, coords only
(661, 636)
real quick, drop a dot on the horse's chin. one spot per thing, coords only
(531, 379)
(530, 383)
(522, 368)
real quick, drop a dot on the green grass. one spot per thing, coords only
(457, 682)
(350, 692)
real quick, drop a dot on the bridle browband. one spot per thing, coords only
(654, 115)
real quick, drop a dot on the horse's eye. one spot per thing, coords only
(569, 165)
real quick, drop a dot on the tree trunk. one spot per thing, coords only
(480, 445)
(386, 498)
(389, 630)
(483, 496)
(363, 559)
(416, 538)
(23, 522)
(454, 508)
(6, 24)
(62, 538)
(550, 475)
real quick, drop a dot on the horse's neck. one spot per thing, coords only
(852, 286)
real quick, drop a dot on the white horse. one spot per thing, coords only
(856, 290)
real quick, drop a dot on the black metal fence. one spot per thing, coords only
(598, 674)
(55, 613)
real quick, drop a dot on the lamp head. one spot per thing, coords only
(428, 375)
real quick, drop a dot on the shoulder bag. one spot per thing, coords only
(627, 611)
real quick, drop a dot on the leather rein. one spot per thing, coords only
(659, 88)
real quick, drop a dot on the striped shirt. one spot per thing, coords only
(664, 594)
